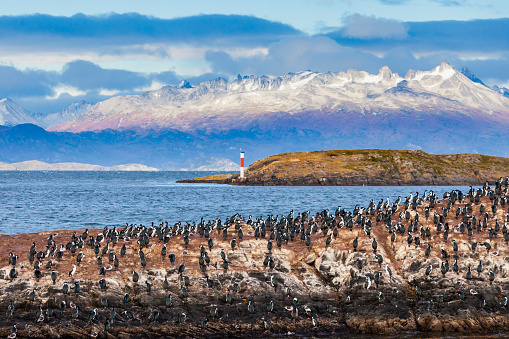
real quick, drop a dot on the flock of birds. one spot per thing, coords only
(400, 219)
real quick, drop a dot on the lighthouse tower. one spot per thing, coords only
(242, 165)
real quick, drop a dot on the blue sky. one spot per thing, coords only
(58, 52)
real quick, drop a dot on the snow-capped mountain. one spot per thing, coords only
(253, 100)
(71, 112)
(12, 114)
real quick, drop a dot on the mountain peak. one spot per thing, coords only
(385, 73)
(7, 101)
(12, 114)
(469, 74)
(184, 84)
(445, 65)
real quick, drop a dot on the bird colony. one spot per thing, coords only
(420, 263)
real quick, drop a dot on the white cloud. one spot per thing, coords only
(370, 27)
(62, 89)
(108, 92)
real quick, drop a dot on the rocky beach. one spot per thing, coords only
(423, 264)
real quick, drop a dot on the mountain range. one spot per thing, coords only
(249, 101)
(441, 111)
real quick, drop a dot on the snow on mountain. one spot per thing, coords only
(501, 90)
(222, 105)
(12, 114)
(71, 112)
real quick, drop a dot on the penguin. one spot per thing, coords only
(75, 313)
(104, 302)
(427, 252)
(455, 266)
(102, 284)
(267, 324)
(54, 276)
(388, 271)
(479, 268)
(418, 291)
(79, 258)
(270, 306)
(273, 282)
(92, 315)
(314, 322)
(31, 296)
(491, 276)
(250, 307)
(428, 271)
(112, 315)
(461, 295)
(14, 330)
(367, 284)
(469, 273)
(204, 324)
(72, 271)
(13, 273)
(503, 302)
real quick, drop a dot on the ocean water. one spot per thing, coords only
(41, 201)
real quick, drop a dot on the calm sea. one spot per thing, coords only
(41, 201)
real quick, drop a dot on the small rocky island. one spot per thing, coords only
(369, 167)
(420, 263)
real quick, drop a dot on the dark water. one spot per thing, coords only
(38, 201)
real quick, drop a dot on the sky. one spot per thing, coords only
(54, 52)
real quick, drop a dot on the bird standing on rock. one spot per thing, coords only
(72, 271)
(250, 307)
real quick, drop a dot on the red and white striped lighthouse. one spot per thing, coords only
(242, 165)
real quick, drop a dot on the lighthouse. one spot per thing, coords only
(242, 165)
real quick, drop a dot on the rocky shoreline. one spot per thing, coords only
(363, 271)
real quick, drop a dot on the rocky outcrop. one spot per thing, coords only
(339, 289)
(368, 168)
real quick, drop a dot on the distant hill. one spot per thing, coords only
(35, 165)
(368, 167)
